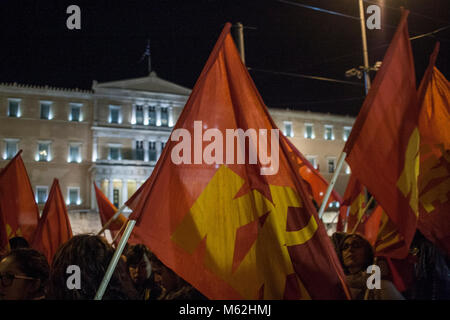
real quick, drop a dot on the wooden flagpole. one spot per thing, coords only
(114, 217)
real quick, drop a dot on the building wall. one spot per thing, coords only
(95, 134)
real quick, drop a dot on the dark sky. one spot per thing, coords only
(37, 48)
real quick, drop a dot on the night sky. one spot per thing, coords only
(37, 48)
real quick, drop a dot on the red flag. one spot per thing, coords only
(383, 147)
(315, 183)
(434, 178)
(19, 212)
(352, 206)
(54, 225)
(234, 227)
(107, 210)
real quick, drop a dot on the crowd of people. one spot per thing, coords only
(26, 275)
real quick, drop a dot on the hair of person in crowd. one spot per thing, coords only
(92, 255)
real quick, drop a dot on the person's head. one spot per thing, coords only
(164, 276)
(92, 254)
(24, 274)
(18, 242)
(138, 262)
(357, 253)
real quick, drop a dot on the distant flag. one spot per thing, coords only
(351, 209)
(54, 225)
(19, 212)
(107, 210)
(434, 178)
(226, 229)
(148, 55)
(383, 147)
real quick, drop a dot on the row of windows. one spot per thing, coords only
(43, 150)
(45, 110)
(142, 116)
(309, 131)
(331, 164)
(74, 154)
(73, 195)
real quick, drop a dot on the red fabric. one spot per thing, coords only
(226, 229)
(54, 225)
(19, 212)
(383, 146)
(107, 210)
(354, 200)
(434, 178)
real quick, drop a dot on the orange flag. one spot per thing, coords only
(231, 220)
(383, 147)
(434, 178)
(107, 210)
(352, 205)
(19, 212)
(54, 225)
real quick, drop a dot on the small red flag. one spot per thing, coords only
(54, 225)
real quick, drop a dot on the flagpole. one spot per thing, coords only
(114, 217)
(115, 259)
(362, 214)
(119, 233)
(332, 183)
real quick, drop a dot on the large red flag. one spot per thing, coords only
(107, 210)
(383, 147)
(229, 224)
(54, 225)
(19, 212)
(434, 178)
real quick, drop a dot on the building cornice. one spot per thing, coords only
(146, 97)
(45, 90)
(309, 115)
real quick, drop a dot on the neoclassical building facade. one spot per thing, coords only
(114, 133)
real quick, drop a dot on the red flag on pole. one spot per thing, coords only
(19, 212)
(434, 178)
(231, 220)
(383, 147)
(54, 225)
(352, 206)
(107, 210)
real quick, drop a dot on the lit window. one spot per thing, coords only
(115, 114)
(163, 145)
(152, 150)
(164, 117)
(312, 160)
(347, 170)
(114, 153)
(140, 150)
(73, 196)
(288, 132)
(309, 131)
(14, 108)
(74, 152)
(46, 112)
(331, 165)
(43, 151)
(346, 133)
(152, 116)
(41, 194)
(75, 112)
(139, 114)
(11, 148)
(329, 135)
